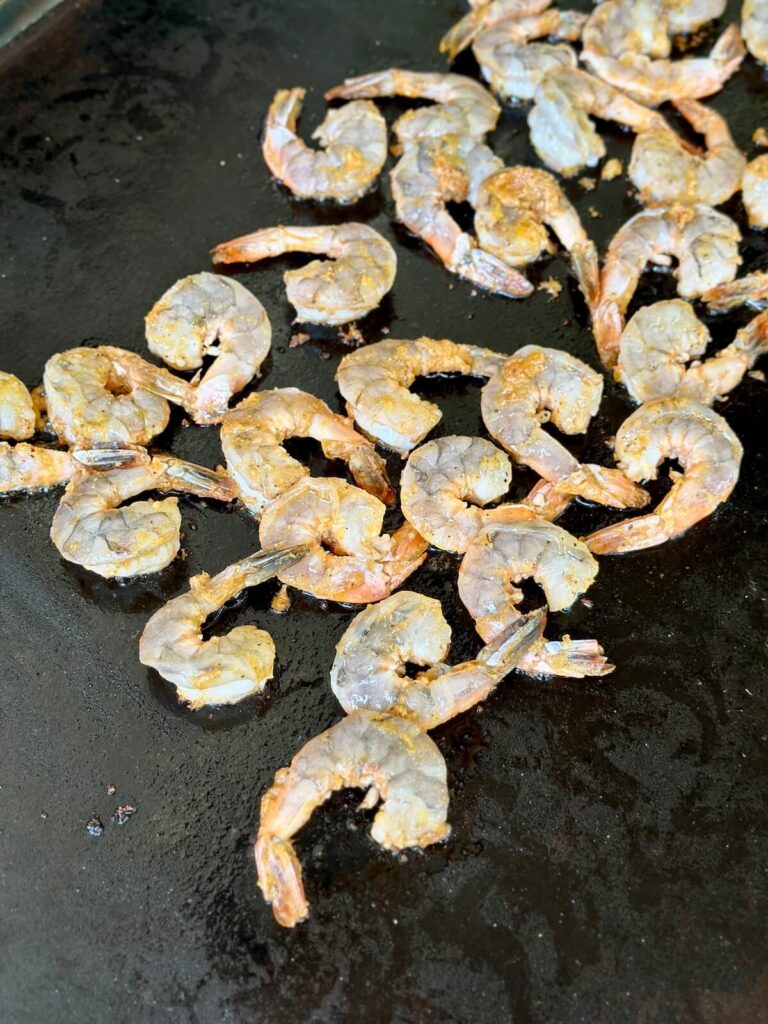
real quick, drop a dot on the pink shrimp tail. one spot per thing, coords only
(280, 880)
(607, 325)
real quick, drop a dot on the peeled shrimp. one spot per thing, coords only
(665, 171)
(502, 555)
(90, 528)
(754, 28)
(536, 381)
(223, 669)
(252, 437)
(750, 290)
(660, 339)
(704, 241)
(358, 273)
(17, 410)
(350, 560)
(704, 445)
(354, 141)
(369, 668)
(27, 467)
(374, 381)
(755, 191)
(204, 315)
(484, 16)
(389, 757)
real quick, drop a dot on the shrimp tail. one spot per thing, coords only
(370, 472)
(111, 456)
(607, 325)
(572, 659)
(585, 266)
(751, 290)
(199, 480)
(605, 487)
(263, 565)
(463, 33)
(164, 384)
(728, 52)
(509, 647)
(482, 268)
(280, 880)
(546, 500)
(629, 535)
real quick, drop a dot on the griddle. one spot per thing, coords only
(608, 856)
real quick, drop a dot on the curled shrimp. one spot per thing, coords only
(661, 339)
(537, 384)
(704, 241)
(750, 290)
(369, 668)
(223, 669)
(350, 559)
(619, 27)
(504, 554)
(514, 208)
(484, 16)
(754, 28)
(252, 437)
(706, 448)
(17, 410)
(513, 68)
(442, 476)
(90, 528)
(375, 379)
(354, 141)
(358, 273)
(387, 756)
(203, 315)
(666, 172)
(755, 191)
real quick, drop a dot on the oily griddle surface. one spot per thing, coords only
(607, 859)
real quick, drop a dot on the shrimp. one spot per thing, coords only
(754, 28)
(223, 669)
(354, 141)
(514, 69)
(751, 290)
(538, 380)
(350, 560)
(514, 208)
(704, 241)
(484, 16)
(374, 381)
(755, 191)
(620, 27)
(666, 172)
(369, 668)
(387, 756)
(203, 315)
(27, 467)
(660, 339)
(252, 437)
(17, 410)
(358, 273)
(441, 476)
(704, 445)
(503, 554)
(91, 529)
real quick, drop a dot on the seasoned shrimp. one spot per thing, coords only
(704, 445)
(375, 379)
(17, 410)
(666, 172)
(350, 560)
(203, 315)
(515, 206)
(358, 273)
(755, 191)
(536, 384)
(754, 28)
(90, 528)
(252, 437)
(27, 467)
(387, 756)
(660, 339)
(704, 241)
(354, 141)
(514, 69)
(750, 290)
(484, 16)
(620, 27)
(442, 476)
(223, 669)
(502, 555)
(369, 668)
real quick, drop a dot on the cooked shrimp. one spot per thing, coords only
(666, 172)
(354, 141)
(27, 467)
(704, 241)
(442, 476)
(704, 445)
(223, 669)
(90, 528)
(252, 437)
(358, 273)
(484, 16)
(755, 191)
(502, 555)
(204, 315)
(375, 379)
(514, 69)
(514, 209)
(17, 410)
(371, 657)
(754, 28)
(750, 290)
(387, 756)
(350, 560)
(536, 384)
(660, 339)
(618, 27)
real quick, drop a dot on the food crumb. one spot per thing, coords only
(587, 602)
(593, 212)
(111, 789)
(94, 827)
(281, 602)
(298, 339)
(551, 286)
(587, 183)
(760, 137)
(352, 335)
(757, 375)
(385, 330)
(123, 814)
(611, 169)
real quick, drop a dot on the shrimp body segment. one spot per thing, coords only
(389, 757)
(358, 273)
(27, 467)
(755, 191)
(17, 410)
(754, 28)
(371, 657)
(704, 445)
(375, 379)
(223, 669)
(354, 148)
(349, 559)
(252, 437)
